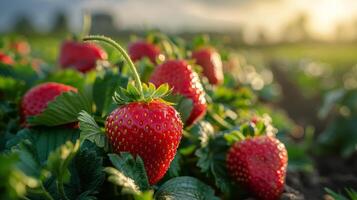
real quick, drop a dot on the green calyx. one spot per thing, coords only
(137, 92)
(248, 130)
(132, 94)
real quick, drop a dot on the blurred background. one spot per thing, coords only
(309, 47)
(300, 56)
(252, 21)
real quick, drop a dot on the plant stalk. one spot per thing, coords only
(219, 120)
(45, 193)
(61, 190)
(123, 53)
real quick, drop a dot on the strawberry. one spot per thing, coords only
(254, 120)
(259, 163)
(183, 80)
(6, 59)
(143, 124)
(141, 49)
(80, 56)
(151, 130)
(21, 47)
(211, 63)
(37, 98)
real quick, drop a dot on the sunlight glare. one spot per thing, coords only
(325, 14)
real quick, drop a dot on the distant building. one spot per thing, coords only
(103, 23)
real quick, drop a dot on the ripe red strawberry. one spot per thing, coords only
(6, 59)
(151, 130)
(255, 120)
(80, 56)
(259, 163)
(143, 124)
(21, 47)
(141, 49)
(211, 63)
(183, 80)
(37, 98)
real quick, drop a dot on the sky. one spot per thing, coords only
(194, 15)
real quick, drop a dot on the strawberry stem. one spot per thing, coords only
(123, 53)
(45, 194)
(60, 188)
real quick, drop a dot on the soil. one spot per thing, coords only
(331, 171)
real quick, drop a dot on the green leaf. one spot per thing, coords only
(185, 187)
(14, 183)
(86, 175)
(88, 170)
(21, 73)
(9, 120)
(28, 157)
(212, 161)
(121, 96)
(234, 137)
(68, 77)
(44, 140)
(247, 130)
(184, 107)
(335, 195)
(147, 195)
(132, 91)
(127, 184)
(85, 169)
(261, 127)
(151, 88)
(175, 167)
(131, 169)
(201, 40)
(352, 193)
(59, 160)
(201, 132)
(103, 90)
(63, 110)
(11, 88)
(182, 104)
(91, 131)
(161, 91)
(340, 137)
(34, 147)
(150, 92)
(330, 100)
(145, 68)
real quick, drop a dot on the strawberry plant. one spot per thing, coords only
(167, 119)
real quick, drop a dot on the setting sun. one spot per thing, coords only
(326, 15)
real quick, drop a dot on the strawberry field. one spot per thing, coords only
(156, 116)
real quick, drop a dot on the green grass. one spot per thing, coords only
(338, 60)
(45, 47)
(340, 56)
(337, 55)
